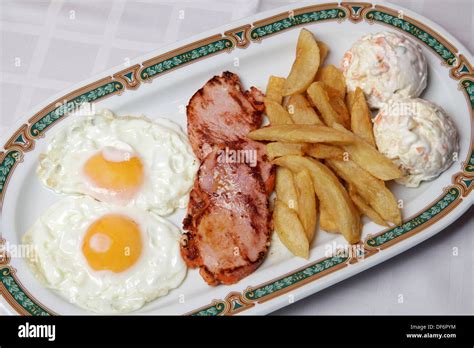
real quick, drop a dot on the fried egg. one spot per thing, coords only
(123, 160)
(105, 258)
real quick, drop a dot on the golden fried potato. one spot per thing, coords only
(367, 157)
(350, 97)
(323, 151)
(323, 52)
(276, 113)
(334, 78)
(326, 221)
(305, 66)
(275, 89)
(319, 97)
(301, 133)
(285, 188)
(364, 207)
(301, 110)
(330, 192)
(371, 189)
(278, 149)
(339, 106)
(290, 230)
(307, 211)
(361, 118)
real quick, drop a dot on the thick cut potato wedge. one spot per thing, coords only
(319, 97)
(276, 113)
(371, 189)
(323, 52)
(285, 188)
(361, 123)
(278, 149)
(334, 78)
(330, 192)
(323, 151)
(326, 221)
(305, 66)
(307, 210)
(275, 89)
(350, 97)
(301, 110)
(338, 104)
(364, 207)
(367, 157)
(301, 133)
(290, 230)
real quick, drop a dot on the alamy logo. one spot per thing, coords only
(34, 331)
(247, 156)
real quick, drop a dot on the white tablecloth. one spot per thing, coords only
(39, 36)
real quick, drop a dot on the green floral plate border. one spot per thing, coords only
(460, 69)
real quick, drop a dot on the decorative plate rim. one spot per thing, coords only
(460, 69)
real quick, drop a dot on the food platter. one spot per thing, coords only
(161, 83)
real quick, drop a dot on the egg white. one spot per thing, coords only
(58, 261)
(169, 163)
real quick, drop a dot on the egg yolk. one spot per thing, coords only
(112, 243)
(121, 178)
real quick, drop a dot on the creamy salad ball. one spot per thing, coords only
(385, 65)
(418, 136)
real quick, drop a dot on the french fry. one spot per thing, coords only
(367, 157)
(330, 192)
(361, 123)
(275, 89)
(326, 221)
(305, 66)
(371, 189)
(301, 133)
(334, 78)
(301, 110)
(276, 113)
(364, 207)
(339, 106)
(320, 98)
(323, 151)
(307, 211)
(290, 230)
(350, 97)
(285, 188)
(323, 52)
(278, 149)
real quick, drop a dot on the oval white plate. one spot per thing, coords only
(161, 83)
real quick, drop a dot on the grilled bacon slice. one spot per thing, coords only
(228, 218)
(221, 112)
(228, 221)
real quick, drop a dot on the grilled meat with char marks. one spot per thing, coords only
(221, 112)
(228, 218)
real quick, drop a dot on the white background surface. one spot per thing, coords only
(45, 46)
